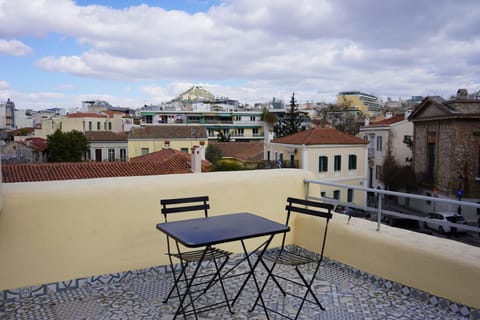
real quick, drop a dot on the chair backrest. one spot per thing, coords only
(309, 207)
(184, 205)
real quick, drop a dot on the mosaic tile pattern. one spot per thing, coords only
(346, 293)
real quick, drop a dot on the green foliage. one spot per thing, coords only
(213, 154)
(227, 166)
(292, 122)
(67, 146)
(268, 116)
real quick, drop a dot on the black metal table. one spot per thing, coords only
(206, 232)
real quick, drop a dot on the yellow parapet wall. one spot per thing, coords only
(442, 267)
(62, 230)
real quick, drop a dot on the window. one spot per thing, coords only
(123, 154)
(211, 133)
(240, 132)
(149, 119)
(111, 154)
(352, 162)
(322, 164)
(83, 126)
(336, 194)
(350, 195)
(323, 194)
(252, 118)
(255, 131)
(98, 125)
(184, 150)
(145, 151)
(109, 126)
(105, 126)
(378, 172)
(237, 118)
(89, 125)
(268, 155)
(337, 163)
(379, 143)
(88, 155)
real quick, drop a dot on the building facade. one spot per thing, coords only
(446, 154)
(330, 154)
(148, 139)
(367, 103)
(390, 135)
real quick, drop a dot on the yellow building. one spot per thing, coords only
(330, 154)
(80, 121)
(368, 104)
(153, 138)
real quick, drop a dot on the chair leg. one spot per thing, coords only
(308, 287)
(176, 280)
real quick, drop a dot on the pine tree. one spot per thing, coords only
(292, 122)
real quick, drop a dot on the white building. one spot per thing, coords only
(387, 135)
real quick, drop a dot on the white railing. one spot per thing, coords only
(379, 196)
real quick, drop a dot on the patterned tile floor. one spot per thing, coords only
(346, 293)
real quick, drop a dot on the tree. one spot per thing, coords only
(213, 154)
(292, 122)
(396, 177)
(67, 146)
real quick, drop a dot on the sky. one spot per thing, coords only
(58, 53)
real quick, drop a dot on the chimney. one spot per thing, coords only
(196, 161)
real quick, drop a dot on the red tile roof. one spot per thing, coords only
(240, 150)
(171, 157)
(106, 136)
(320, 136)
(35, 143)
(86, 115)
(386, 122)
(31, 172)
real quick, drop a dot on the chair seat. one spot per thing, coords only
(287, 257)
(196, 255)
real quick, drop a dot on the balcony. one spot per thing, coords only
(89, 249)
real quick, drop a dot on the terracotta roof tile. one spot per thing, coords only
(35, 143)
(320, 136)
(171, 157)
(386, 122)
(31, 172)
(86, 115)
(240, 150)
(106, 136)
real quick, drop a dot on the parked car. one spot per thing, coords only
(352, 211)
(438, 221)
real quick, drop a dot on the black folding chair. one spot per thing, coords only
(297, 258)
(192, 206)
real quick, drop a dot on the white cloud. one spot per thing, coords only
(14, 48)
(273, 47)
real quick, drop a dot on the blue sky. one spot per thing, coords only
(56, 53)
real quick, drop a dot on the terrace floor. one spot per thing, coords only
(345, 292)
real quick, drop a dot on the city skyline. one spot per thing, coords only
(57, 53)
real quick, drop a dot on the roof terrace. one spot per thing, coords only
(88, 249)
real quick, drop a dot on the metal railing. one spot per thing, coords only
(380, 200)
